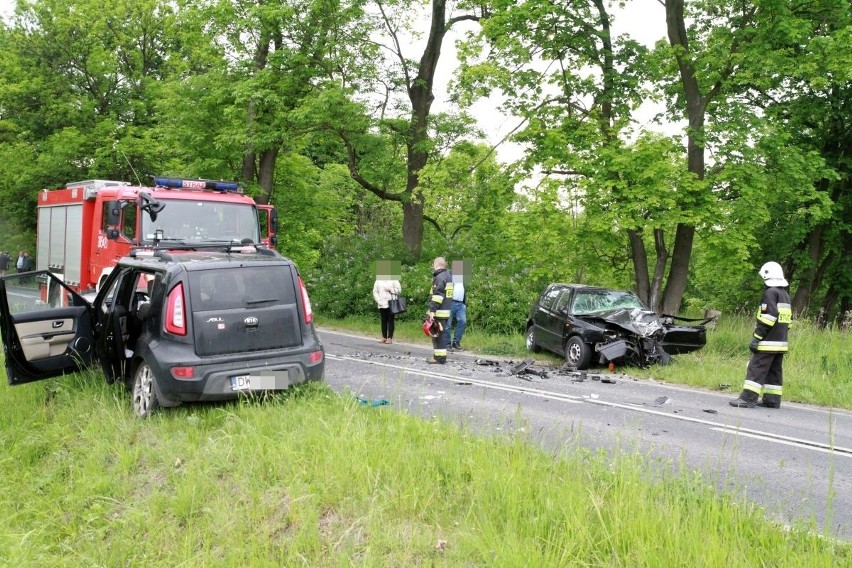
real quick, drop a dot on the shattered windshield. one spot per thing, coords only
(202, 222)
(592, 302)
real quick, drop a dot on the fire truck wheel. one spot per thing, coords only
(144, 397)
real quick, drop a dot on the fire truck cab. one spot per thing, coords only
(85, 227)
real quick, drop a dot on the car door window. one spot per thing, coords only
(550, 298)
(108, 296)
(563, 300)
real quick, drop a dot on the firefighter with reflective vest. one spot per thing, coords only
(439, 309)
(769, 344)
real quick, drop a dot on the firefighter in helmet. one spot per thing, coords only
(439, 308)
(768, 344)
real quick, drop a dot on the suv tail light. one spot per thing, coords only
(175, 312)
(309, 312)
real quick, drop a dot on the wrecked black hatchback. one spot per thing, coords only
(591, 325)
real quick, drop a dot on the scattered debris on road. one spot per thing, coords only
(659, 401)
(525, 368)
(522, 366)
(487, 362)
(711, 411)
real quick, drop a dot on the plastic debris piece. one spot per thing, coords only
(486, 362)
(463, 383)
(522, 366)
(363, 401)
(608, 381)
(711, 411)
(661, 401)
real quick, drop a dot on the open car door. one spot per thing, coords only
(47, 328)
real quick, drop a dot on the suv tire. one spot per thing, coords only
(144, 394)
(578, 354)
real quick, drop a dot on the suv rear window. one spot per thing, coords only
(241, 287)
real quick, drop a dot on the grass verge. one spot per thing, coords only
(311, 478)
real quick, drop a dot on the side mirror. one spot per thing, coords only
(113, 216)
(112, 234)
(151, 205)
(273, 221)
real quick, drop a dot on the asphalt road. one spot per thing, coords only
(795, 461)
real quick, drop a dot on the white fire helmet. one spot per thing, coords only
(772, 274)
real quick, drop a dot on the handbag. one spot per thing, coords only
(397, 304)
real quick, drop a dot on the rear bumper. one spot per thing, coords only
(225, 378)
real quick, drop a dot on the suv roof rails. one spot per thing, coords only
(162, 251)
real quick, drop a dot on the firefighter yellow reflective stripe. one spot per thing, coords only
(758, 337)
(449, 289)
(752, 386)
(772, 389)
(437, 298)
(772, 346)
(767, 319)
(442, 314)
(439, 353)
(785, 313)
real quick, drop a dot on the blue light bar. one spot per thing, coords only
(180, 183)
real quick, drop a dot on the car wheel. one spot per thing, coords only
(531, 344)
(578, 354)
(144, 397)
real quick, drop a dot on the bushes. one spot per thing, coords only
(341, 284)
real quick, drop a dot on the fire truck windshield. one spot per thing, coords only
(201, 221)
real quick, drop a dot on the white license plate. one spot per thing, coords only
(253, 382)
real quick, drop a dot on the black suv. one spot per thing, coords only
(173, 326)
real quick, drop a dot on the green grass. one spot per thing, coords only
(817, 370)
(312, 478)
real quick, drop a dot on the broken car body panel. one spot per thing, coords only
(611, 326)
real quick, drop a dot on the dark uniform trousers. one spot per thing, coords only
(439, 344)
(764, 376)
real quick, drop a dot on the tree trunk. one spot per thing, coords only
(412, 229)
(809, 281)
(640, 265)
(659, 270)
(421, 95)
(695, 108)
(679, 271)
(266, 175)
(249, 171)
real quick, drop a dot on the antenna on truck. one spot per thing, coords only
(139, 181)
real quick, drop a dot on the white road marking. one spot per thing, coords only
(539, 393)
(786, 441)
(451, 378)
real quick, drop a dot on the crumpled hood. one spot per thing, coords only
(643, 323)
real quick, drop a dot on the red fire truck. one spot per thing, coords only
(85, 227)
